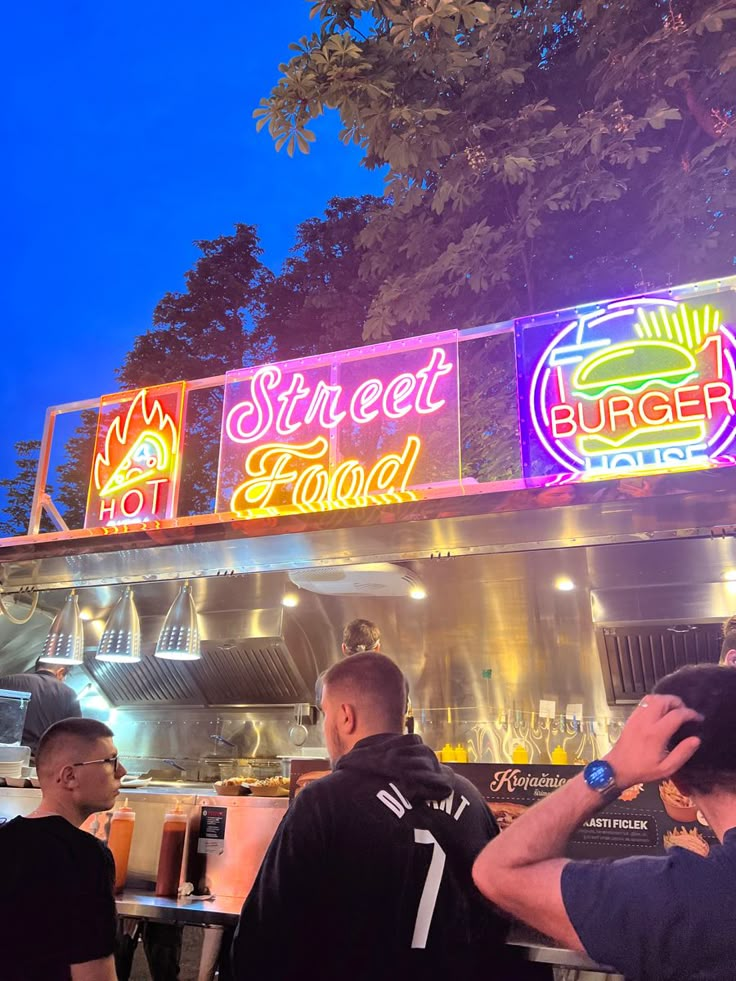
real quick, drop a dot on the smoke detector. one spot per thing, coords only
(367, 579)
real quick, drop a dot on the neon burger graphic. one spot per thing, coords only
(645, 384)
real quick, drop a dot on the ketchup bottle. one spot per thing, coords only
(121, 836)
(172, 852)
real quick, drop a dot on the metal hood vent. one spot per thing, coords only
(246, 660)
(634, 658)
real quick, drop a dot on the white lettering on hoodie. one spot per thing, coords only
(399, 805)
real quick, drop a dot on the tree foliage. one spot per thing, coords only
(206, 330)
(537, 154)
(19, 492)
(319, 301)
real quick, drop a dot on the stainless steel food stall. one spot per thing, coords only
(530, 606)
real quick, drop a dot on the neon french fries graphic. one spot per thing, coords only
(647, 384)
(136, 460)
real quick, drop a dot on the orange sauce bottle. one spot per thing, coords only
(121, 836)
(172, 852)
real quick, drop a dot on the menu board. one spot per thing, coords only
(644, 820)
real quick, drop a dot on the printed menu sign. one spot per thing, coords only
(212, 831)
(644, 820)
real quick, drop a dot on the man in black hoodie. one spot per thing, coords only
(369, 873)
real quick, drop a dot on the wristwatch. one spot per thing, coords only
(600, 777)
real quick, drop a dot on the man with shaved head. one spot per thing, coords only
(369, 873)
(57, 909)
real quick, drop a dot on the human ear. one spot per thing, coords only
(67, 776)
(349, 719)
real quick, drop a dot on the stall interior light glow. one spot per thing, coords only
(121, 638)
(418, 592)
(290, 598)
(65, 641)
(179, 637)
(564, 584)
(729, 575)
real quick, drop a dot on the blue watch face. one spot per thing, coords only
(599, 775)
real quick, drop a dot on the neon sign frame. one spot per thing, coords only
(639, 385)
(136, 463)
(294, 430)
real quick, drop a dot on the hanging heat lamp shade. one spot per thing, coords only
(179, 637)
(65, 641)
(121, 638)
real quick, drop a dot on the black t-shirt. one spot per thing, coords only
(57, 906)
(369, 876)
(664, 918)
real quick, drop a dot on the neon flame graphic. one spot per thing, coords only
(150, 451)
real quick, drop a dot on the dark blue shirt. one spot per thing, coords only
(667, 918)
(51, 701)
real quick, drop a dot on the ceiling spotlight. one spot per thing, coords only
(179, 637)
(290, 598)
(418, 592)
(728, 575)
(564, 584)
(121, 638)
(65, 641)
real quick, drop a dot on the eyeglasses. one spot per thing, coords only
(116, 765)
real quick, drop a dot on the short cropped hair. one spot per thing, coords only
(375, 682)
(42, 665)
(729, 637)
(74, 730)
(361, 635)
(710, 689)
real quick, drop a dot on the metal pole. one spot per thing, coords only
(42, 473)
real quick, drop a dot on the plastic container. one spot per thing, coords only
(558, 756)
(13, 706)
(122, 825)
(447, 753)
(172, 852)
(520, 754)
(461, 753)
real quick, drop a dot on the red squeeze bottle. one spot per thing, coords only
(122, 824)
(172, 852)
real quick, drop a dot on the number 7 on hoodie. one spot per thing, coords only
(428, 899)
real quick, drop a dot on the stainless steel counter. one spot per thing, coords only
(223, 911)
(220, 911)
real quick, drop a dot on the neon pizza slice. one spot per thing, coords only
(148, 456)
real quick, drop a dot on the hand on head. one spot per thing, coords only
(642, 753)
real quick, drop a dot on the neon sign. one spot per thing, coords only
(136, 461)
(340, 431)
(647, 384)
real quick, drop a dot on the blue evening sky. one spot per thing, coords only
(128, 134)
